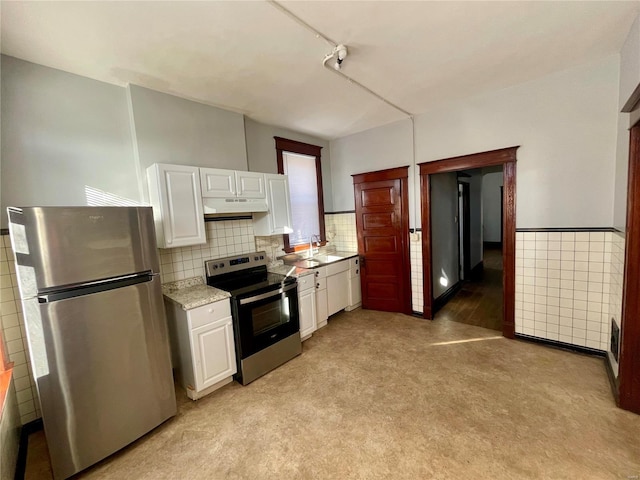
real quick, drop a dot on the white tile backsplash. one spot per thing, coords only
(224, 238)
(340, 229)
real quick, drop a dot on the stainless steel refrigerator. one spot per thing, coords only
(95, 321)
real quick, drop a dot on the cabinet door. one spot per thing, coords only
(307, 311)
(321, 308)
(337, 292)
(176, 197)
(279, 203)
(217, 183)
(213, 353)
(250, 185)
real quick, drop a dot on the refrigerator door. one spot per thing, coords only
(63, 246)
(103, 371)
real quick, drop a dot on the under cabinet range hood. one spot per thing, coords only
(234, 205)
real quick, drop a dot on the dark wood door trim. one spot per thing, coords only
(629, 366)
(507, 158)
(293, 146)
(380, 175)
(402, 174)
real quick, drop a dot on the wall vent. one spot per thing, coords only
(615, 338)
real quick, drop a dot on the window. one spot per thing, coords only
(301, 162)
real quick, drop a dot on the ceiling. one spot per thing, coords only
(252, 58)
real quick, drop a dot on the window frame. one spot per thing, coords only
(293, 146)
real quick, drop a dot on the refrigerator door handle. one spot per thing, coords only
(94, 288)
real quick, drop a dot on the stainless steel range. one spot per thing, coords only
(265, 312)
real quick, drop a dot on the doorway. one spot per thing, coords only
(382, 223)
(505, 157)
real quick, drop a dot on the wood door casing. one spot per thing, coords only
(382, 223)
(629, 360)
(507, 158)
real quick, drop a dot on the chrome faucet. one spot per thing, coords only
(313, 250)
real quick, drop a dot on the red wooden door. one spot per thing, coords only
(383, 239)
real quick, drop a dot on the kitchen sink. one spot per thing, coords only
(302, 260)
(326, 258)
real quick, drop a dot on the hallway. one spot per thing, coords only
(479, 302)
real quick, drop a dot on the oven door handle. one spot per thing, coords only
(262, 296)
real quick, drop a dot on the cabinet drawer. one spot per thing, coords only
(305, 283)
(321, 283)
(320, 272)
(209, 313)
(334, 268)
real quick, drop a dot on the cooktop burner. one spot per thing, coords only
(243, 274)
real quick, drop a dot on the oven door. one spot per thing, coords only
(265, 318)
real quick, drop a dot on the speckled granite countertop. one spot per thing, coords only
(290, 270)
(192, 293)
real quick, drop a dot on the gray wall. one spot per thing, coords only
(491, 206)
(169, 129)
(71, 140)
(62, 134)
(261, 152)
(444, 231)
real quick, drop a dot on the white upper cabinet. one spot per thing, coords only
(174, 192)
(217, 183)
(250, 185)
(277, 220)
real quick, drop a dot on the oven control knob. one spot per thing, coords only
(221, 265)
(261, 257)
(256, 258)
(215, 267)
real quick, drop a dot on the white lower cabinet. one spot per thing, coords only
(307, 306)
(320, 275)
(202, 344)
(337, 287)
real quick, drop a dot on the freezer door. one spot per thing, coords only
(103, 371)
(61, 246)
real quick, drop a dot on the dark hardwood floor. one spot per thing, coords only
(479, 302)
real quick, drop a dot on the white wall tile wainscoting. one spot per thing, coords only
(15, 336)
(417, 288)
(569, 285)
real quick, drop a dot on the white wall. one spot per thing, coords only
(565, 124)
(62, 133)
(380, 148)
(261, 152)
(444, 232)
(491, 206)
(629, 80)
